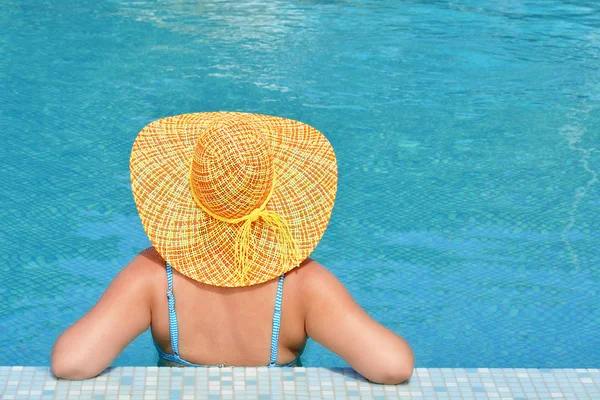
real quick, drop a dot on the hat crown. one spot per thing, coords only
(232, 168)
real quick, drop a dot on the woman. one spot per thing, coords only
(233, 204)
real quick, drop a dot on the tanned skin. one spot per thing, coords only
(230, 325)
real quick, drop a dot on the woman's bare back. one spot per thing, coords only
(229, 326)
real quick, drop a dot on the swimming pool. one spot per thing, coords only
(467, 139)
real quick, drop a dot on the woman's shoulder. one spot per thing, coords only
(315, 283)
(152, 258)
(308, 269)
(148, 267)
(311, 276)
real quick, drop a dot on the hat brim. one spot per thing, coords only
(201, 247)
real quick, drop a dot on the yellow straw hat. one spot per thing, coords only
(233, 199)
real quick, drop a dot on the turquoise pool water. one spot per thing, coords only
(467, 136)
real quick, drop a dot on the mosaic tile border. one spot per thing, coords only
(301, 383)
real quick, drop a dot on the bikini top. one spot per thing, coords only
(174, 330)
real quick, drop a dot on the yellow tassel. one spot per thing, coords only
(288, 249)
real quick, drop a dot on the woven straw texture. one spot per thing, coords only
(188, 167)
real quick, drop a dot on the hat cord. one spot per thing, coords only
(288, 248)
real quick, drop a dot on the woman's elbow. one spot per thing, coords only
(65, 366)
(65, 369)
(70, 371)
(393, 371)
(391, 375)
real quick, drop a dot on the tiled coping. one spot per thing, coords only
(300, 383)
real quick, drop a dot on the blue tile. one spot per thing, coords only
(539, 383)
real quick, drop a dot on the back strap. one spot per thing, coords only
(276, 322)
(173, 329)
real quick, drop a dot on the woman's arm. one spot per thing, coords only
(337, 322)
(123, 312)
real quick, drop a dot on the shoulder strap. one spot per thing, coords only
(276, 322)
(173, 329)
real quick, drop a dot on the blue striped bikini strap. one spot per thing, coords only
(173, 329)
(276, 323)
